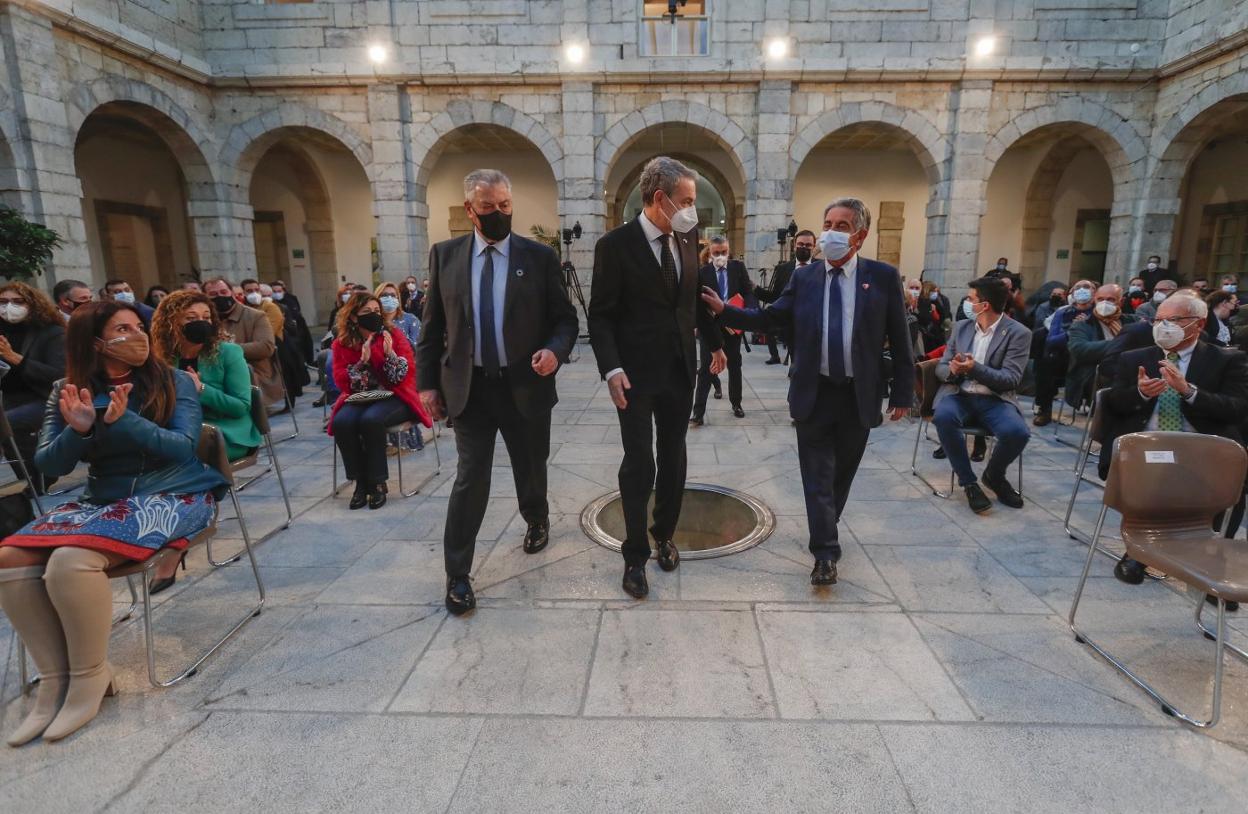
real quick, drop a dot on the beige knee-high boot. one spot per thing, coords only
(79, 591)
(25, 600)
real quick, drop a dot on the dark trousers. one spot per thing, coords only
(360, 433)
(830, 443)
(999, 417)
(1050, 371)
(657, 420)
(491, 410)
(26, 420)
(772, 346)
(732, 349)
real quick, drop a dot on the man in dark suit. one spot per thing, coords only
(497, 325)
(803, 252)
(842, 313)
(1153, 273)
(1180, 384)
(643, 309)
(729, 278)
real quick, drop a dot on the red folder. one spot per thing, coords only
(736, 301)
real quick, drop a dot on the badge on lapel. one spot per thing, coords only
(866, 286)
(519, 272)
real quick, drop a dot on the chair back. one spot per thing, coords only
(1096, 424)
(927, 385)
(1164, 482)
(259, 415)
(211, 451)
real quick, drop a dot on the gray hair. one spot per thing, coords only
(862, 214)
(662, 173)
(484, 178)
(1191, 302)
(719, 240)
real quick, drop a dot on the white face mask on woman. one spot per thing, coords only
(14, 312)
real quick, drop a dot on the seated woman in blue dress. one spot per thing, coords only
(136, 423)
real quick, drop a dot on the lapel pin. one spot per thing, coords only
(519, 272)
(865, 286)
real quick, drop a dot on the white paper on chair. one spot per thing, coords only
(1158, 456)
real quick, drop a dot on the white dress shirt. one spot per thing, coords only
(653, 233)
(848, 282)
(979, 352)
(501, 251)
(1185, 358)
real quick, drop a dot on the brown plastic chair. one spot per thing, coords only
(926, 387)
(1167, 486)
(211, 451)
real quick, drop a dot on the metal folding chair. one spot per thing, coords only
(260, 416)
(1095, 435)
(288, 403)
(1167, 486)
(928, 384)
(212, 452)
(399, 429)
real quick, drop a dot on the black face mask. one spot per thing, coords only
(495, 226)
(802, 254)
(197, 332)
(224, 304)
(1055, 301)
(371, 322)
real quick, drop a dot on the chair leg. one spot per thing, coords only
(1166, 706)
(1212, 635)
(242, 525)
(281, 481)
(914, 459)
(437, 471)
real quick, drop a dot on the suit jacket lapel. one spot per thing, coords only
(998, 337)
(515, 277)
(688, 247)
(1196, 365)
(460, 265)
(863, 281)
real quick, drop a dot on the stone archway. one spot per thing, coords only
(734, 229)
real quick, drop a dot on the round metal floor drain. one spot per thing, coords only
(714, 521)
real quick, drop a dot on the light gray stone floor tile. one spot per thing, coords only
(1084, 769)
(695, 766)
(393, 572)
(856, 667)
(944, 578)
(690, 664)
(495, 661)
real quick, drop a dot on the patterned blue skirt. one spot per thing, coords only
(135, 527)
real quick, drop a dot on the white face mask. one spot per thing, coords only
(1135, 289)
(835, 245)
(1106, 308)
(1159, 296)
(914, 292)
(684, 220)
(253, 297)
(389, 303)
(124, 296)
(346, 296)
(279, 295)
(1081, 295)
(1151, 266)
(1230, 287)
(1167, 334)
(411, 286)
(719, 261)
(968, 308)
(14, 312)
(934, 296)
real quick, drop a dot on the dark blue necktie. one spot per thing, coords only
(836, 345)
(489, 344)
(723, 284)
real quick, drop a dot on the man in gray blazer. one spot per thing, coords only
(981, 369)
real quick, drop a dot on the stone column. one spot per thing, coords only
(769, 189)
(954, 213)
(224, 242)
(580, 193)
(402, 246)
(44, 145)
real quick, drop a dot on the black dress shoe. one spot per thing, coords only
(979, 449)
(1042, 419)
(536, 537)
(1006, 493)
(669, 555)
(359, 497)
(719, 393)
(738, 412)
(696, 421)
(459, 596)
(775, 360)
(824, 573)
(1231, 607)
(939, 453)
(978, 501)
(165, 583)
(635, 584)
(377, 496)
(1129, 571)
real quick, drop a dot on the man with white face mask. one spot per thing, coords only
(1162, 290)
(1180, 384)
(1153, 273)
(643, 310)
(840, 311)
(730, 279)
(1089, 338)
(1052, 365)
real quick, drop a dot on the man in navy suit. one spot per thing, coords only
(842, 312)
(729, 278)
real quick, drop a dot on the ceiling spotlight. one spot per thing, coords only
(377, 53)
(575, 54)
(778, 48)
(984, 46)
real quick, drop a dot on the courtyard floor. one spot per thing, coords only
(938, 675)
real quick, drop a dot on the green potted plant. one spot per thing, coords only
(25, 247)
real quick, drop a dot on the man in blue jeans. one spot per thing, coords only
(981, 368)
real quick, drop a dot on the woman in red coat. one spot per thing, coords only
(376, 375)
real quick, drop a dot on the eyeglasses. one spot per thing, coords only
(12, 301)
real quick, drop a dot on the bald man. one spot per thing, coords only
(1089, 338)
